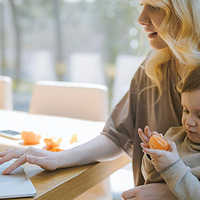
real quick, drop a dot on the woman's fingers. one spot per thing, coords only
(128, 194)
(20, 154)
(43, 158)
(10, 154)
(2, 154)
(20, 161)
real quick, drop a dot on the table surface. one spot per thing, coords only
(66, 183)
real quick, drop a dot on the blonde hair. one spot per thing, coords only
(183, 38)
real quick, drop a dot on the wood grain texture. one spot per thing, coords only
(61, 184)
(67, 184)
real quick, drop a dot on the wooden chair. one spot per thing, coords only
(6, 93)
(76, 100)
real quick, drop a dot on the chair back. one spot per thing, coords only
(76, 100)
(6, 93)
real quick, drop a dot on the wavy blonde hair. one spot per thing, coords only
(183, 38)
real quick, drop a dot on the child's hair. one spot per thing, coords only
(192, 81)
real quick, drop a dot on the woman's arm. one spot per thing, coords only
(99, 149)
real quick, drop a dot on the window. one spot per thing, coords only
(67, 40)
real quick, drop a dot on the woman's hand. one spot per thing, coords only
(153, 191)
(162, 159)
(98, 149)
(45, 159)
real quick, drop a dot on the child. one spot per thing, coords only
(180, 166)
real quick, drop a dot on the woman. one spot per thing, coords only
(174, 33)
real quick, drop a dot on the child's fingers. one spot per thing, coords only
(147, 131)
(172, 145)
(144, 145)
(154, 152)
(143, 137)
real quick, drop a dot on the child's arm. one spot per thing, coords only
(176, 174)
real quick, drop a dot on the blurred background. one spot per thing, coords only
(96, 41)
(93, 41)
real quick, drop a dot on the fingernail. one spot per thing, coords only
(4, 172)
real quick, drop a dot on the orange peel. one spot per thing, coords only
(158, 142)
(30, 138)
(74, 139)
(56, 149)
(50, 142)
(53, 149)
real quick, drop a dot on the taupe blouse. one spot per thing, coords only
(138, 109)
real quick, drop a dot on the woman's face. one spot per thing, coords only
(151, 17)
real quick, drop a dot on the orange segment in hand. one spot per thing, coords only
(30, 138)
(158, 142)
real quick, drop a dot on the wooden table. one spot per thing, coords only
(61, 184)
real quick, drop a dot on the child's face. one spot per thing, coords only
(191, 114)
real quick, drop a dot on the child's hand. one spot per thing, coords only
(145, 136)
(162, 159)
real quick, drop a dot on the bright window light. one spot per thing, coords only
(72, 1)
(76, 1)
(89, 1)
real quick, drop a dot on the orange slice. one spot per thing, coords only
(56, 149)
(74, 139)
(158, 142)
(50, 142)
(30, 138)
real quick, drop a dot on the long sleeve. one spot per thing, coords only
(183, 176)
(182, 182)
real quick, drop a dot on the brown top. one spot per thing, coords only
(136, 111)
